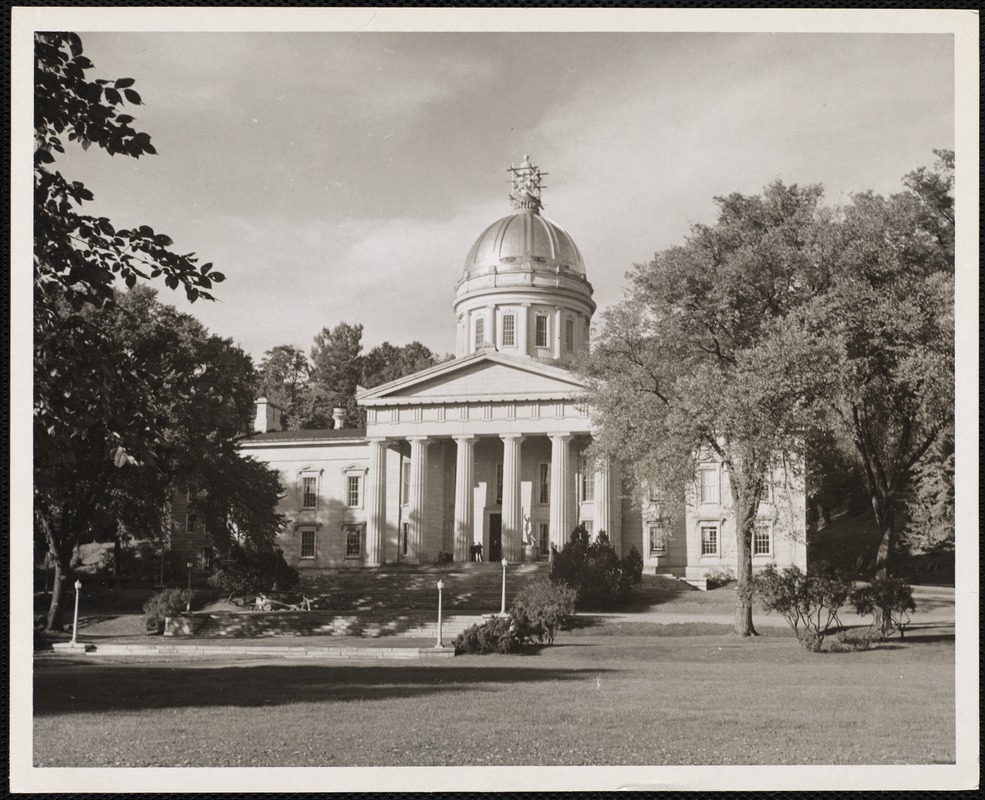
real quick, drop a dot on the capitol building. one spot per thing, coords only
(489, 448)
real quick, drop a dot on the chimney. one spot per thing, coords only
(268, 416)
(337, 415)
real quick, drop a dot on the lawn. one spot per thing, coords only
(602, 695)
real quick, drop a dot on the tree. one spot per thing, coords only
(85, 423)
(387, 362)
(336, 366)
(887, 318)
(186, 396)
(691, 365)
(284, 375)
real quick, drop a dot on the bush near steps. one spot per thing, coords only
(539, 611)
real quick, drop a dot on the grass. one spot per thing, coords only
(600, 695)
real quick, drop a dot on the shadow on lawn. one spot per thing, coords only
(86, 688)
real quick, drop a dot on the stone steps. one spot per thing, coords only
(473, 586)
(269, 624)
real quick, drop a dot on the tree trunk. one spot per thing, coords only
(743, 603)
(117, 553)
(55, 609)
(885, 519)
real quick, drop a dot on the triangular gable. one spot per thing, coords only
(486, 376)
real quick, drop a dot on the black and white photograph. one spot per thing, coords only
(547, 398)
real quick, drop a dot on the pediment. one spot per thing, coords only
(483, 377)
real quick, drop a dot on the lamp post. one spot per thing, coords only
(190, 564)
(440, 645)
(75, 623)
(502, 611)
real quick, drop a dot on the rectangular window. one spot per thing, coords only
(353, 540)
(569, 335)
(544, 538)
(589, 526)
(480, 332)
(509, 330)
(405, 539)
(405, 483)
(708, 484)
(709, 540)
(540, 330)
(207, 559)
(499, 484)
(762, 540)
(544, 483)
(191, 523)
(587, 482)
(658, 540)
(353, 484)
(307, 543)
(767, 489)
(309, 491)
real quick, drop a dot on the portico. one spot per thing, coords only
(452, 438)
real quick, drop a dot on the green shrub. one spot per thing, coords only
(167, 603)
(809, 603)
(495, 635)
(540, 609)
(889, 600)
(851, 641)
(633, 566)
(250, 571)
(593, 569)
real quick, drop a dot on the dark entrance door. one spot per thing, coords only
(495, 537)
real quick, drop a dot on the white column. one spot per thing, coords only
(557, 332)
(376, 502)
(561, 525)
(418, 495)
(603, 503)
(522, 329)
(512, 513)
(464, 480)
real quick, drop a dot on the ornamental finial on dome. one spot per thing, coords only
(525, 193)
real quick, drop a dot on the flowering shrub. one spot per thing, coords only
(167, 603)
(809, 603)
(495, 635)
(594, 570)
(889, 600)
(541, 608)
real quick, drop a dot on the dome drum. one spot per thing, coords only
(523, 287)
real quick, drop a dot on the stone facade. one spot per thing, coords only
(488, 448)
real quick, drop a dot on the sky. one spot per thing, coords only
(344, 176)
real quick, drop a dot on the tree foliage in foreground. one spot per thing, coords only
(94, 406)
(189, 394)
(690, 367)
(784, 324)
(886, 319)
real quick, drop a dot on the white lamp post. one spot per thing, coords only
(502, 611)
(188, 607)
(75, 623)
(440, 645)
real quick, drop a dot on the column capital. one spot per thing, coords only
(383, 440)
(519, 437)
(561, 437)
(465, 437)
(424, 441)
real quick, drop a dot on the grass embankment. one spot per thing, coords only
(599, 696)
